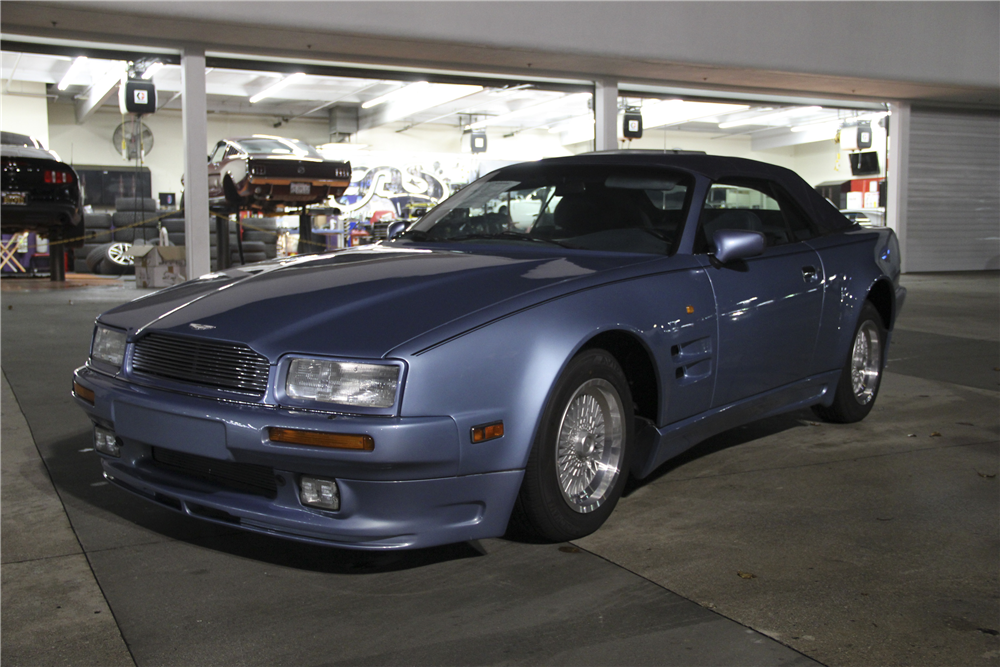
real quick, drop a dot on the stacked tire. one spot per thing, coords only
(98, 233)
(110, 235)
(102, 254)
(259, 242)
(129, 220)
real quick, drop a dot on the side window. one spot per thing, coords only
(758, 206)
(220, 150)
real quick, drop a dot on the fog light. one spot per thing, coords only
(322, 493)
(106, 442)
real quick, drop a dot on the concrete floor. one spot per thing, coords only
(786, 542)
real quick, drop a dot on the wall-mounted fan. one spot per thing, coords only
(132, 139)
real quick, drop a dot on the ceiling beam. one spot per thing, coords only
(91, 100)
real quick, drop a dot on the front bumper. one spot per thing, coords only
(405, 493)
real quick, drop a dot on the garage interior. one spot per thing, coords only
(783, 542)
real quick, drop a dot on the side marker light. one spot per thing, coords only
(486, 432)
(319, 439)
(83, 393)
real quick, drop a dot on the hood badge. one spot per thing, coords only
(201, 327)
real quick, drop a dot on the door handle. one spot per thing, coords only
(810, 274)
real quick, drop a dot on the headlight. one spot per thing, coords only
(342, 382)
(109, 346)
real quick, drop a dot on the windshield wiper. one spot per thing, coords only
(508, 234)
(413, 235)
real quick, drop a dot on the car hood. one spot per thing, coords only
(365, 302)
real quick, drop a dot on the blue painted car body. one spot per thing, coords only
(481, 330)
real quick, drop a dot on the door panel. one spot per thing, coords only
(769, 312)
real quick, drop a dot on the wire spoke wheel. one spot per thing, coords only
(589, 445)
(861, 374)
(578, 465)
(866, 362)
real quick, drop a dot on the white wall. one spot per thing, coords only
(825, 161)
(816, 162)
(23, 110)
(948, 43)
(90, 143)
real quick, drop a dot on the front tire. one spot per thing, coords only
(580, 459)
(862, 372)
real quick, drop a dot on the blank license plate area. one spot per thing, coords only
(205, 437)
(19, 198)
(300, 188)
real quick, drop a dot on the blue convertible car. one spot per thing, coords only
(509, 359)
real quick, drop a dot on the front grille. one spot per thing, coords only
(200, 361)
(256, 479)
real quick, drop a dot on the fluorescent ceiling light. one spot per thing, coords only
(830, 126)
(427, 97)
(577, 124)
(675, 112)
(336, 147)
(151, 70)
(381, 99)
(566, 100)
(878, 115)
(77, 63)
(764, 120)
(272, 89)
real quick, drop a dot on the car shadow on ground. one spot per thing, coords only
(725, 440)
(114, 518)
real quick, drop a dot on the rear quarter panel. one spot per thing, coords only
(852, 265)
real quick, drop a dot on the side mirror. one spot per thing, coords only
(733, 244)
(395, 229)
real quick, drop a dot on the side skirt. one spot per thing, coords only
(656, 445)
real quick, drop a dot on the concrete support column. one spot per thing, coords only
(898, 173)
(606, 114)
(194, 110)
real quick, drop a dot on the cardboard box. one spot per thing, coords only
(159, 266)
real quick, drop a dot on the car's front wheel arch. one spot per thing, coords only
(637, 364)
(580, 457)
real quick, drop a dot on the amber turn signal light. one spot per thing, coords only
(318, 439)
(82, 392)
(487, 432)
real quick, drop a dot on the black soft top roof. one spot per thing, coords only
(714, 168)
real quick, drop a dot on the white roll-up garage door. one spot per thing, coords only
(953, 194)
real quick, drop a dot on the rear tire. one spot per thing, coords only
(861, 375)
(579, 463)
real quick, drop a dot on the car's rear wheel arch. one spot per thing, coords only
(881, 296)
(637, 364)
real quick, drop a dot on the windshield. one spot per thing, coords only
(274, 146)
(592, 207)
